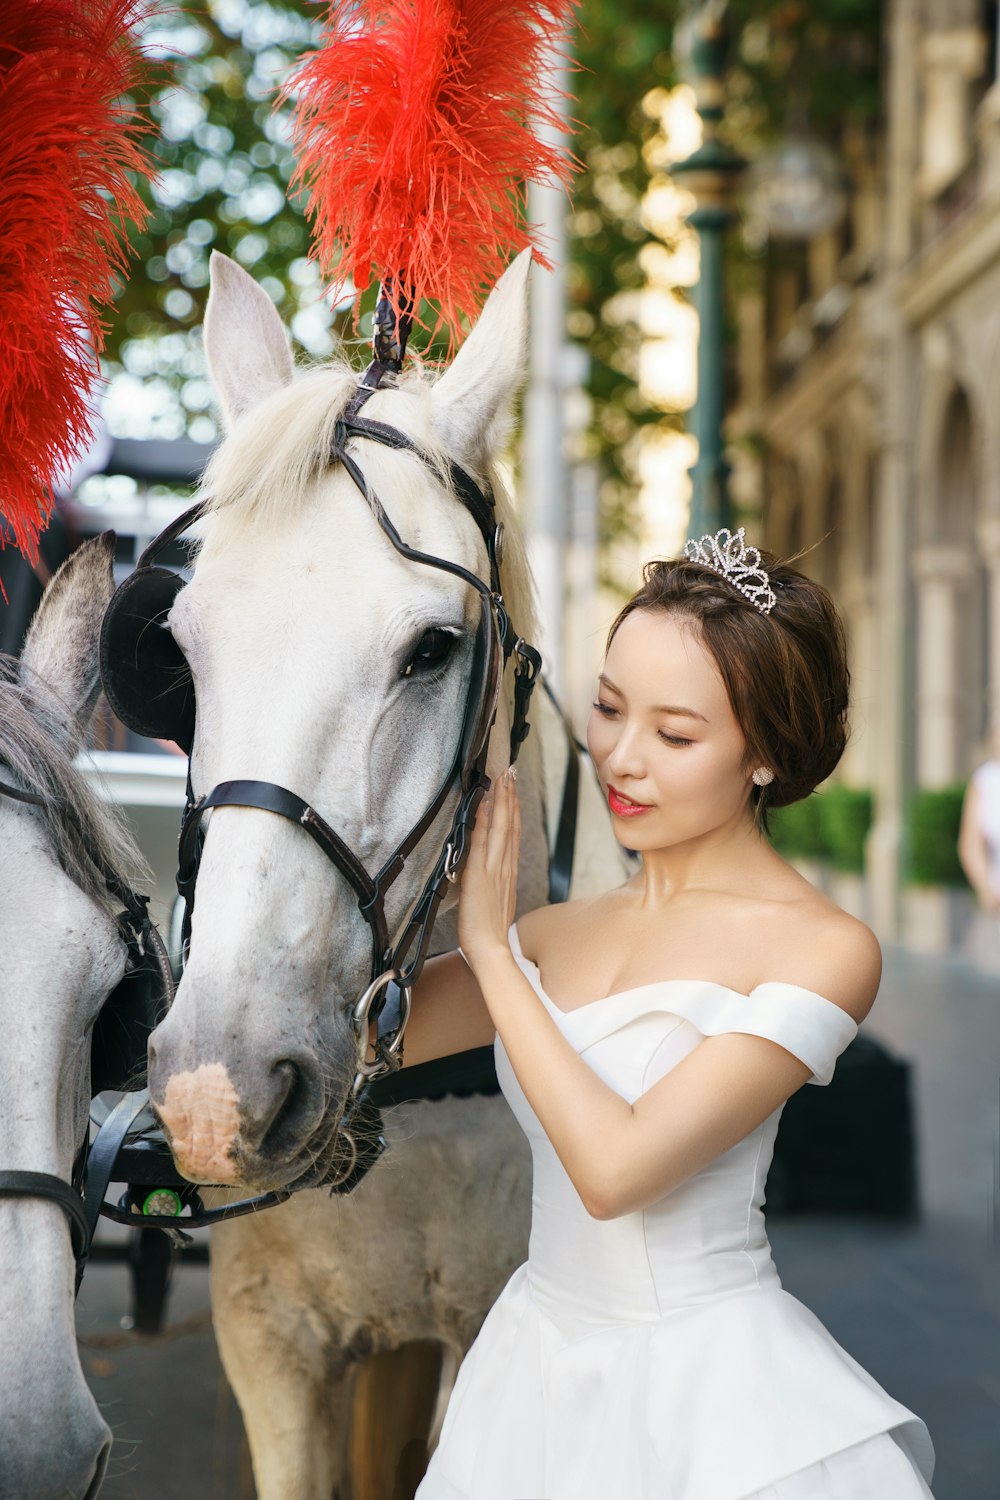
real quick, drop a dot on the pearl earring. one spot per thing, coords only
(763, 776)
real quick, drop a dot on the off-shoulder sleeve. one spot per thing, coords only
(806, 1024)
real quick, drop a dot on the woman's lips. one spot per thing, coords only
(624, 807)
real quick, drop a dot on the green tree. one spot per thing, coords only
(226, 166)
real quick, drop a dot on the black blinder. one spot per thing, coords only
(145, 673)
(135, 1006)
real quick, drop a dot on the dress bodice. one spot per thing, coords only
(707, 1238)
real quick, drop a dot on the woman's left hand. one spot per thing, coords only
(489, 879)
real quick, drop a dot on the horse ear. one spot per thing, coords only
(473, 402)
(61, 649)
(246, 345)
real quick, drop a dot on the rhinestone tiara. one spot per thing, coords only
(727, 553)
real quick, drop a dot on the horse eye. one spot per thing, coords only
(433, 650)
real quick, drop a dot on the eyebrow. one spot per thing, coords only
(661, 708)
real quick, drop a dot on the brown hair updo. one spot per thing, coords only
(785, 672)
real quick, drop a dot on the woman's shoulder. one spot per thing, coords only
(827, 950)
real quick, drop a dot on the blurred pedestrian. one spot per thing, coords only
(979, 854)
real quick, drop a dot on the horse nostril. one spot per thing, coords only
(293, 1102)
(289, 1073)
(97, 1478)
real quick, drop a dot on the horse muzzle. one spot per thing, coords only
(245, 1123)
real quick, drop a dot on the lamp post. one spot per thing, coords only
(544, 471)
(709, 173)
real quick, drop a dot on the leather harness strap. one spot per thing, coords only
(104, 1152)
(53, 1189)
(564, 849)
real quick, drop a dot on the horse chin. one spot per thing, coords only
(319, 1162)
(327, 1159)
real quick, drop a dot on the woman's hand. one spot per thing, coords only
(489, 880)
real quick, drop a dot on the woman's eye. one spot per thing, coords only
(433, 650)
(674, 739)
(605, 709)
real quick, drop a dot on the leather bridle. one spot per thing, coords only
(398, 961)
(149, 686)
(79, 1199)
(123, 1149)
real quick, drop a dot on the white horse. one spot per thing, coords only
(61, 955)
(307, 635)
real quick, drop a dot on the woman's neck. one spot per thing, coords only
(722, 859)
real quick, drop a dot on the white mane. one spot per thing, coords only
(275, 452)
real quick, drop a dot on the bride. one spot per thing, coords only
(646, 1040)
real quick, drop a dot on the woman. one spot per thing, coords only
(979, 856)
(646, 1040)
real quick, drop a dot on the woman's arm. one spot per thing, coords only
(973, 851)
(448, 1013)
(622, 1157)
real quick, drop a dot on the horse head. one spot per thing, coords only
(327, 662)
(61, 955)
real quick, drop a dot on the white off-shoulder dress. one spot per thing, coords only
(656, 1356)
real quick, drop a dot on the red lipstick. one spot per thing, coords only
(624, 807)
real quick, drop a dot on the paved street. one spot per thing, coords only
(918, 1305)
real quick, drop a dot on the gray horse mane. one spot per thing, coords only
(34, 757)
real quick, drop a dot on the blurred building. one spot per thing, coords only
(866, 378)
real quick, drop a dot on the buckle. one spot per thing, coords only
(453, 853)
(529, 660)
(388, 1049)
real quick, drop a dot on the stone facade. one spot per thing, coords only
(874, 406)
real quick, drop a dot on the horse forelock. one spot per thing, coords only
(270, 460)
(85, 833)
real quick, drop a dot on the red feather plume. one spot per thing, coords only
(68, 142)
(414, 129)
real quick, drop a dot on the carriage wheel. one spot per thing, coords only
(395, 1395)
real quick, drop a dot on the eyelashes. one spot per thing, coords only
(607, 712)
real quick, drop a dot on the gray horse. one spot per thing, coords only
(61, 954)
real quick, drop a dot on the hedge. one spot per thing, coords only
(934, 818)
(795, 830)
(831, 825)
(845, 816)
